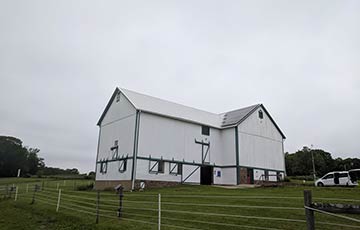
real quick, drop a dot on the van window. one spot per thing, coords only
(330, 176)
(343, 175)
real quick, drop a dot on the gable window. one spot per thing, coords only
(122, 166)
(175, 168)
(103, 167)
(117, 97)
(205, 130)
(261, 115)
(156, 166)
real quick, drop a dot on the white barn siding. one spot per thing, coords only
(228, 158)
(118, 124)
(260, 143)
(174, 140)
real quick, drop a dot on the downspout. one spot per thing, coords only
(135, 149)
(237, 155)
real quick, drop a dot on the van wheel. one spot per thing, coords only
(320, 184)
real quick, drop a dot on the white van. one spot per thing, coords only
(344, 178)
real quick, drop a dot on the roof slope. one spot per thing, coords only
(165, 108)
(236, 116)
(162, 107)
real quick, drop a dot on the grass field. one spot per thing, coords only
(183, 207)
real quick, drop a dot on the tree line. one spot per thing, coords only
(300, 162)
(14, 156)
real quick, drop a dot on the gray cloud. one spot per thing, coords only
(61, 60)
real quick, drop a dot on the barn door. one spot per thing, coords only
(250, 176)
(206, 175)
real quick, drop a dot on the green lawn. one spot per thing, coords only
(183, 207)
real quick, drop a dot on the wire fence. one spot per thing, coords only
(171, 211)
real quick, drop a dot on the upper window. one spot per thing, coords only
(205, 130)
(261, 115)
(156, 166)
(117, 97)
(175, 168)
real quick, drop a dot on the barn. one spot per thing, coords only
(147, 141)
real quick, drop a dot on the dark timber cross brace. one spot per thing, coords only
(203, 144)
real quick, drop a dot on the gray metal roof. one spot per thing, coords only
(162, 107)
(237, 116)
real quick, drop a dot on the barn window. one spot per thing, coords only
(266, 175)
(122, 165)
(103, 167)
(261, 115)
(117, 97)
(205, 130)
(175, 168)
(156, 166)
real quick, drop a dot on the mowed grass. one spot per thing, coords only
(183, 207)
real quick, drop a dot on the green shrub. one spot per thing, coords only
(85, 187)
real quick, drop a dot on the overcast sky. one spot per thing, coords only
(60, 61)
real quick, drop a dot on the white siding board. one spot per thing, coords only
(260, 143)
(118, 110)
(174, 139)
(118, 124)
(228, 152)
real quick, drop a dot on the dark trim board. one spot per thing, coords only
(237, 155)
(190, 163)
(136, 137)
(116, 159)
(97, 152)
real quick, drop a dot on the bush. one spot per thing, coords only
(286, 179)
(307, 178)
(86, 187)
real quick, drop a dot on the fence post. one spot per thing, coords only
(97, 206)
(16, 193)
(58, 202)
(10, 192)
(310, 219)
(159, 223)
(27, 188)
(7, 191)
(64, 182)
(35, 190)
(121, 195)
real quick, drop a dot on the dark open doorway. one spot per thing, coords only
(250, 176)
(206, 175)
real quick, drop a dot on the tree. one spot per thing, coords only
(14, 156)
(300, 162)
